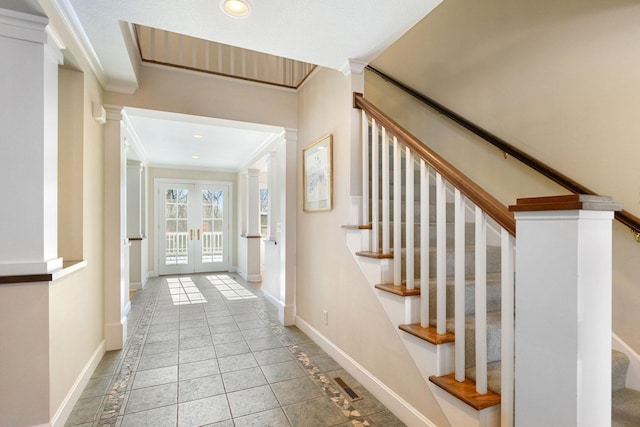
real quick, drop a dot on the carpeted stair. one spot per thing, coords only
(625, 402)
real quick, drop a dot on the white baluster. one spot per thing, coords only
(397, 214)
(459, 232)
(508, 329)
(386, 244)
(375, 188)
(365, 169)
(481, 301)
(424, 244)
(409, 220)
(441, 255)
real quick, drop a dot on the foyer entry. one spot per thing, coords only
(193, 226)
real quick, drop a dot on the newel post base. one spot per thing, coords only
(563, 311)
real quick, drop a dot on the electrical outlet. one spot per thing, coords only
(325, 317)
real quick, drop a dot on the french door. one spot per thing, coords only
(193, 227)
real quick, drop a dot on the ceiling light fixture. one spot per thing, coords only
(235, 8)
(197, 136)
(195, 156)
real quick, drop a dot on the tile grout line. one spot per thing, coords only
(329, 389)
(113, 405)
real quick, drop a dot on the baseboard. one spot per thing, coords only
(273, 300)
(62, 414)
(254, 278)
(396, 404)
(633, 374)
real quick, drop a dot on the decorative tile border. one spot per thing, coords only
(113, 405)
(329, 388)
(112, 408)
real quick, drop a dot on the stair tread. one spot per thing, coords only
(428, 334)
(625, 408)
(358, 227)
(466, 391)
(376, 255)
(400, 290)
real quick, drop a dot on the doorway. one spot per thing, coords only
(193, 226)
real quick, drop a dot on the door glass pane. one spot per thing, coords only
(211, 233)
(176, 227)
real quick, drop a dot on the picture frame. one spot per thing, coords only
(317, 175)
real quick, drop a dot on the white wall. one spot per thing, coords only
(556, 79)
(328, 277)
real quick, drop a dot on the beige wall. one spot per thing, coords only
(199, 94)
(76, 302)
(556, 79)
(155, 173)
(328, 277)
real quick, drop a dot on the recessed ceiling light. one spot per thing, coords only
(197, 136)
(195, 156)
(235, 8)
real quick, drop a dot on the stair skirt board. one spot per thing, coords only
(633, 373)
(396, 404)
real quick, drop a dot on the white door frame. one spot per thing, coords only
(157, 182)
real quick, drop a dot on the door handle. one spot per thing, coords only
(191, 234)
(198, 234)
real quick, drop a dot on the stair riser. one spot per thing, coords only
(493, 299)
(493, 262)
(470, 236)
(449, 211)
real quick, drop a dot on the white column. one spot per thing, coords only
(272, 188)
(29, 141)
(563, 309)
(250, 268)
(134, 199)
(288, 212)
(116, 274)
(28, 218)
(253, 202)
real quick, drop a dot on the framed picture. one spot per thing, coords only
(317, 175)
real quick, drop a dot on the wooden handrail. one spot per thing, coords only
(470, 189)
(622, 216)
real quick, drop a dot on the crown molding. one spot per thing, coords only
(70, 19)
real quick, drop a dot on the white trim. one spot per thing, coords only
(157, 182)
(633, 373)
(72, 22)
(62, 414)
(27, 268)
(396, 404)
(223, 77)
(127, 308)
(273, 300)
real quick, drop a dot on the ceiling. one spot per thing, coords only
(163, 139)
(328, 33)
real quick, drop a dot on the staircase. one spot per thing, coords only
(625, 408)
(449, 286)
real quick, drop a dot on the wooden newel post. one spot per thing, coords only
(563, 311)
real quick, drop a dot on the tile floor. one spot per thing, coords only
(207, 350)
